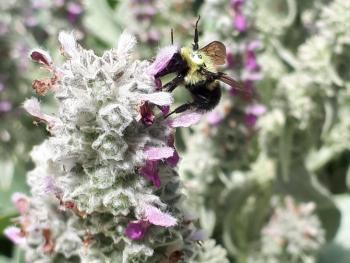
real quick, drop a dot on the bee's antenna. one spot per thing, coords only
(172, 36)
(195, 45)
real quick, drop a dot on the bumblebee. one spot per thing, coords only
(196, 70)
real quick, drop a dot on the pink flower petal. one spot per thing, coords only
(136, 230)
(150, 172)
(158, 98)
(162, 59)
(158, 153)
(240, 22)
(32, 106)
(21, 202)
(250, 62)
(256, 44)
(256, 109)
(159, 218)
(185, 120)
(40, 56)
(214, 117)
(74, 8)
(5, 106)
(15, 235)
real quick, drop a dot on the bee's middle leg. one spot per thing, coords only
(171, 85)
(181, 108)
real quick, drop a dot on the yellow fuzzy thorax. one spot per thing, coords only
(195, 60)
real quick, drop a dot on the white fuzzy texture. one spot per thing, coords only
(68, 43)
(86, 179)
(158, 98)
(126, 43)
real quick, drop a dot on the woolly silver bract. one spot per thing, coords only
(88, 195)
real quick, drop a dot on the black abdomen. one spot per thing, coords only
(206, 95)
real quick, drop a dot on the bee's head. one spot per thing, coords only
(193, 57)
(197, 58)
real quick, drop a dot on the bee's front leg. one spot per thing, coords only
(171, 85)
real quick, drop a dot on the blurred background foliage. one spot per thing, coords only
(268, 175)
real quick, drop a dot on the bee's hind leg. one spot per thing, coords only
(181, 108)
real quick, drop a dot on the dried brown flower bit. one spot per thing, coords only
(48, 245)
(41, 86)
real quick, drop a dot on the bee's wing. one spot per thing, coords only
(233, 83)
(216, 51)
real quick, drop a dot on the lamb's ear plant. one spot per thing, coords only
(104, 188)
(299, 71)
(24, 25)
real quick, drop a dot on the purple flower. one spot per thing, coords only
(239, 22)
(74, 10)
(15, 235)
(235, 4)
(253, 45)
(136, 230)
(256, 109)
(250, 120)
(41, 56)
(214, 117)
(153, 36)
(5, 106)
(250, 62)
(31, 21)
(252, 76)
(163, 58)
(146, 114)
(21, 202)
(230, 59)
(185, 120)
(165, 109)
(158, 153)
(252, 114)
(157, 217)
(39, 4)
(150, 172)
(158, 83)
(174, 159)
(144, 12)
